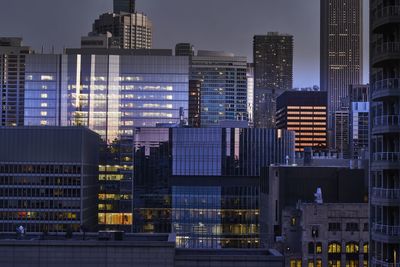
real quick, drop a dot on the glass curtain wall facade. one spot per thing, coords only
(385, 133)
(218, 168)
(223, 86)
(42, 90)
(359, 120)
(111, 92)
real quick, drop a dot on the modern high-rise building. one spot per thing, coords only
(223, 86)
(129, 29)
(385, 133)
(341, 52)
(358, 120)
(111, 91)
(250, 92)
(305, 113)
(48, 179)
(202, 184)
(127, 6)
(273, 74)
(12, 81)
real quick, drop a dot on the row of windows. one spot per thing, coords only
(40, 192)
(350, 227)
(39, 181)
(39, 204)
(42, 216)
(58, 169)
(336, 248)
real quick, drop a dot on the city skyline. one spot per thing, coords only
(265, 16)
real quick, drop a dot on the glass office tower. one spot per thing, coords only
(112, 92)
(42, 90)
(223, 86)
(202, 183)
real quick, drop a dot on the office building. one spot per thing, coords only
(202, 184)
(384, 133)
(341, 52)
(304, 112)
(43, 99)
(129, 29)
(12, 81)
(111, 91)
(359, 120)
(250, 92)
(127, 6)
(331, 234)
(223, 86)
(273, 74)
(342, 130)
(286, 186)
(48, 179)
(215, 212)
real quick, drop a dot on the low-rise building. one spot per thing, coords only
(333, 234)
(48, 179)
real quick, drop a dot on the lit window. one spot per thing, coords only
(43, 105)
(43, 113)
(46, 78)
(43, 95)
(43, 123)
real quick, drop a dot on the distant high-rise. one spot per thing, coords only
(127, 6)
(273, 74)
(341, 51)
(385, 133)
(12, 81)
(129, 29)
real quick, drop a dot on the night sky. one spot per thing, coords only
(209, 24)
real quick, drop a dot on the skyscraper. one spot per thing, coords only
(385, 133)
(12, 81)
(341, 51)
(273, 74)
(127, 6)
(129, 29)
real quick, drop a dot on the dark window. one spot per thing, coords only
(352, 227)
(333, 227)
